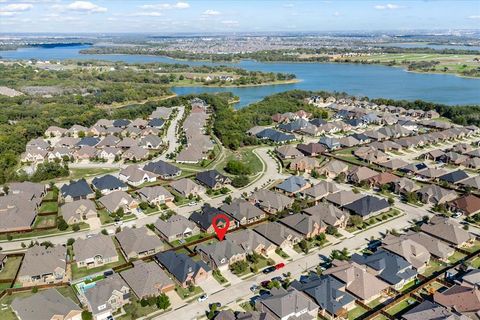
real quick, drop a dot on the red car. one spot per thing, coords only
(280, 265)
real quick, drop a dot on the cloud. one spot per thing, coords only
(388, 6)
(288, 5)
(474, 17)
(166, 6)
(230, 22)
(148, 14)
(14, 8)
(210, 12)
(85, 6)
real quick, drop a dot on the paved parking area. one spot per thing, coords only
(211, 286)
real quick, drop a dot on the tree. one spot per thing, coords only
(228, 199)
(163, 302)
(75, 227)
(212, 311)
(70, 241)
(239, 267)
(240, 181)
(303, 246)
(86, 315)
(355, 220)
(62, 225)
(391, 201)
(105, 232)
(47, 244)
(331, 230)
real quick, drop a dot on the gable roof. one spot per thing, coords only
(174, 225)
(146, 278)
(469, 204)
(241, 209)
(211, 177)
(366, 205)
(162, 168)
(292, 184)
(99, 294)
(39, 260)
(204, 217)
(99, 244)
(445, 229)
(108, 182)
(327, 213)
(268, 198)
(79, 188)
(276, 232)
(343, 197)
(137, 240)
(428, 310)
(302, 223)
(283, 303)
(221, 252)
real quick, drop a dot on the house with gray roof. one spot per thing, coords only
(151, 142)
(43, 265)
(76, 190)
(279, 234)
(270, 201)
(176, 227)
(136, 176)
(108, 183)
(251, 241)
(447, 230)
(187, 187)
(163, 169)
(118, 200)
(328, 292)
(147, 279)
(412, 251)
(343, 197)
(184, 269)
(243, 211)
(17, 212)
(78, 211)
(428, 310)
(436, 195)
(288, 304)
(204, 218)
(135, 153)
(333, 169)
(139, 242)
(320, 190)
(212, 179)
(328, 214)
(156, 195)
(95, 251)
(368, 206)
(293, 185)
(46, 305)
(107, 296)
(306, 225)
(221, 255)
(389, 267)
(288, 152)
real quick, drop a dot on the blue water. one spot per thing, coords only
(361, 80)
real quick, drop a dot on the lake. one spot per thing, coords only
(361, 80)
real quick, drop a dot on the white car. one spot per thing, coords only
(203, 297)
(191, 204)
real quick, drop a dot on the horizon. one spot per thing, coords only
(230, 17)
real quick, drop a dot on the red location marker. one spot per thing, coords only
(220, 231)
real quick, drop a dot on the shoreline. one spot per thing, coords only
(280, 83)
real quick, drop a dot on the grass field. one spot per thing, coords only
(11, 267)
(245, 155)
(51, 206)
(44, 221)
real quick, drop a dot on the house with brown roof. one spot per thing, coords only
(466, 205)
(329, 214)
(459, 298)
(271, 201)
(304, 164)
(278, 234)
(405, 186)
(94, 252)
(307, 225)
(78, 211)
(243, 211)
(147, 279)
(343, 197)
(139, 242)
(176, 227)
(187, 187)
(312, 149)
(288, 152)
(434, 194)
(333, 169)
(251, 241)
(382, 178)
(413, 252)
(447, 230)
(360, 173)
(320, 190)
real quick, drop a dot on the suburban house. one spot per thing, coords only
(18, 212)
(135, 176)
(176, 227)
(139, 242)
(95, 252)
(107, 296)
(118, 199)
(155, 195)
(311, 149)
(271, 201)
(447, 230)
(108, 183)
(187, 187)
(285, 304)
(47, 304)
(333, 169)
(368, 206)
(328, 292)
(462, 299)
(428, 310)
(43, 266)
(251, 241)
(343, 197)
(466, 205)
(220, 255)
(278, 234)
(404, 186)
(306, 225)
(414, 252)
(243, 211)
(362, 284)
(163, 169)
(76, 190)
(328, 214)
(183, 268)
(304, 164)
(288, 152)
(320, 190)
(212, 179)
(359, 174)
(147, 279)
(293, 185)
(78, 211)
(204, 219)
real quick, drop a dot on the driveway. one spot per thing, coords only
(210, 286)
(175, 299)
(94, 223)
(233, 279)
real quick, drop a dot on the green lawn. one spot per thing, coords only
(281, 253)
(456, 257)
(45, 221)
(78, 173)
(51, 195)
(134, 310)
(78, 273)
(186, 294)
(407, 286)
(245, 155)
(432, 267)
(40, 233)
(375, 220)
(475, 247)
(217, 275)
(374, 303)
(50, 206)
(105, 217)
(356, 312)
(11, 268)
(247, 306)
(196, 237)
(475, 262)
(402, 305)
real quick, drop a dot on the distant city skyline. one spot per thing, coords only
(102, 16)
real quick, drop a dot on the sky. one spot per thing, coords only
(201, 16)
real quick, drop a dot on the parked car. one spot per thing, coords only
(254, 288)
(191, 204)
(265, 283)
(279, 265)
(279, 279)
(268, 270)
(203, 297)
